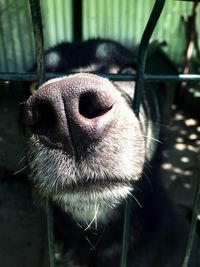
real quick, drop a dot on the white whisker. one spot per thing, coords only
(93, 247)
(152, 138)
(94, 218)
(21, 170)
(22, 159)
(136, 200)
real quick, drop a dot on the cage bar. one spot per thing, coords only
(50, 232)
(191, 235)
(142, 54)
(38, 37)
(151, 24)
(40, 60)
(27, 76)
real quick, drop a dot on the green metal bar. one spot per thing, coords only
(40, 77)
(151, 24)
(192, 231)
(157, 9)
(50, 232)
(175, 78)
(126, 229)
(38, 37)
(25, 76)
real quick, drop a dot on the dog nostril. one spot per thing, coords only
(91, 107)
(41, 118)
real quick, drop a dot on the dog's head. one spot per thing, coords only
(85, 146)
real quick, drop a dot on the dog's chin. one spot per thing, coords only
(92, 204)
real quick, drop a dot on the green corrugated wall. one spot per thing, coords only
(120, 20)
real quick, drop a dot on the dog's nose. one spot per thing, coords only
(76, 109)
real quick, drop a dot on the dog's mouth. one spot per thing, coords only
(94, 186)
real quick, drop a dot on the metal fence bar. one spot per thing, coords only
(192, 231)
(50, 232)
(142, 53)
(38, 37)
(40, 60)
(151, 24)
(126, 229)
(27, 76)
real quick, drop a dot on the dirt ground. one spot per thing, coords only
(180, 169)
(23, 224)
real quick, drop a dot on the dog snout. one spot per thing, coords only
(71, 111)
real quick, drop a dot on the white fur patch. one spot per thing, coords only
(52, 59)
(93, 205)
(103, 50)
(90, 68)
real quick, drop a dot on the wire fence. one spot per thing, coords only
(40, 76)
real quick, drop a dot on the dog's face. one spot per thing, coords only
(85, 146)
